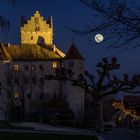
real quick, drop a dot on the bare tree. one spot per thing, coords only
(103, 85)
(14, 91)
(118, 20)
(19, 85)
(7, 100)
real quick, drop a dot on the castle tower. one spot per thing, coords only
(74, 61)
(36, 30)
(75, 95)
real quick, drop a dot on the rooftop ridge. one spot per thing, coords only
(73, 53)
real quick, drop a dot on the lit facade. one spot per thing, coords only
(25, 68)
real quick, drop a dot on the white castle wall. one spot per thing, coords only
(74, 94)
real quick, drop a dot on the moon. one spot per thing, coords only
(99, 38)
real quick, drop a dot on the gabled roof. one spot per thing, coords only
(73, 53)
(28, 52)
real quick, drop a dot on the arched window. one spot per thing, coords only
(32, 38)
(37, 28)
(36, 20)
(41, 41)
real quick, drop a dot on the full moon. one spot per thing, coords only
(99, 38)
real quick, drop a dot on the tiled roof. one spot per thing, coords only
(73, 53)
(29, 52)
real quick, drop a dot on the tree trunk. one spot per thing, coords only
(99, 116)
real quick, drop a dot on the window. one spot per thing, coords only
(32, 38)
(33, 67)
(40, 41)
(17, 95)
(37, 29)
(71, 64)
(62, 65)
(16, 67)
(1, 55)
(28, 95)
(36, 20)
(42, 80)
(54, 65)
(26, 68)
(41, 67)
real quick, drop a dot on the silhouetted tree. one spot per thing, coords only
(103, 85)
(14, 89)
(116, 19)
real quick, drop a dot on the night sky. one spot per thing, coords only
(73, 14)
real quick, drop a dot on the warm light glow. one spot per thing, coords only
(17, 95)
(54, 64)
(16, 67)
(99, 38)
(126, 112)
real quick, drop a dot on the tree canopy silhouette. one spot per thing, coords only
(104, 84)
(118, 20)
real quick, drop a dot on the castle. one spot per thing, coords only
(24, 70)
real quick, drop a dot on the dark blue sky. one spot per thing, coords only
(73, 14)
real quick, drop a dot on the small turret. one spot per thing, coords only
(74, 61)
(51, 22)
(36, 12)
(22, 20)
(73, 53)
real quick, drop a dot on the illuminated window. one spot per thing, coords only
(16, 67)
(37, 29)
(17, 95)
(54, 65)
(36, 20)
